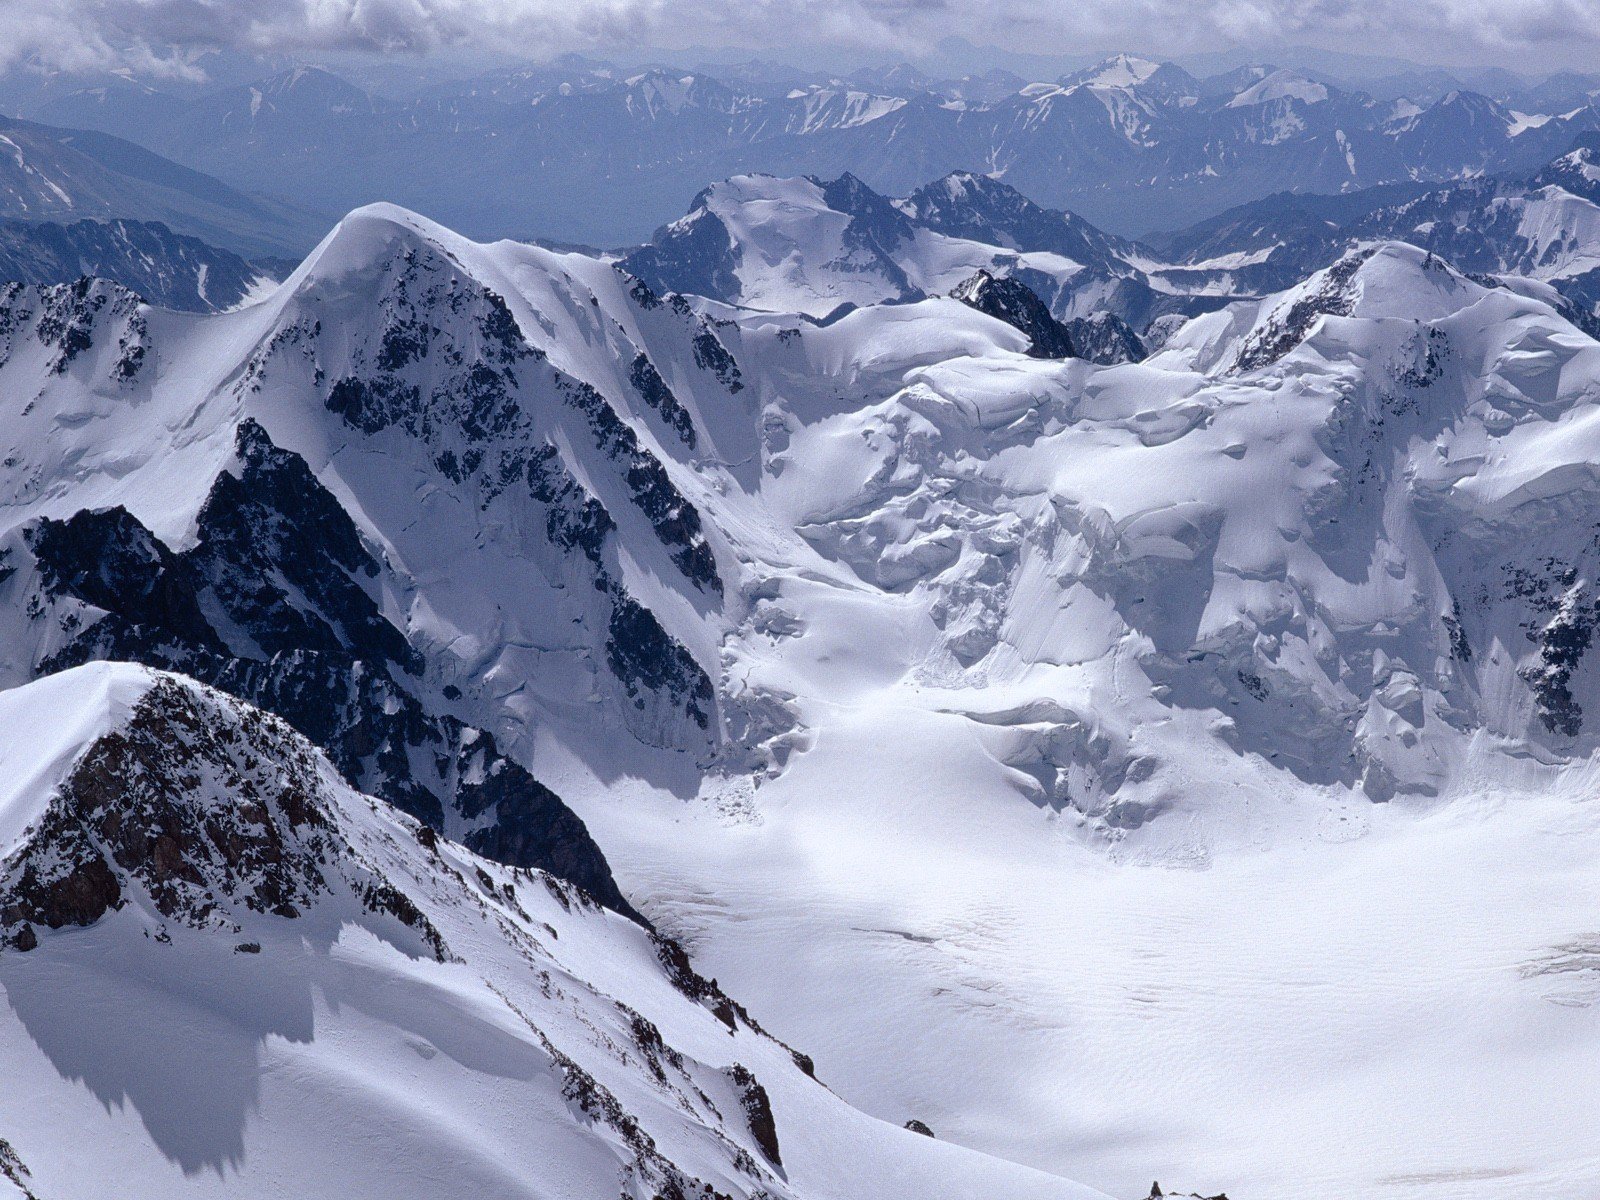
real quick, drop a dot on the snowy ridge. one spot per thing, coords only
(310, 949)
(818, 248)
(1280, 85)
(291, 582)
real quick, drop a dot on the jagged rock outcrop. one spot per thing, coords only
(1105, 338)
(1013, 302)
(208, 809)
(166, 841)
(270, 604)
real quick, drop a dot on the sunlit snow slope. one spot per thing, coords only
(290, 991)
(1177, 769)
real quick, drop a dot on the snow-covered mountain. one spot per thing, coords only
(821, 247)
(278, 986)
(166, 268)
(226, 557)
(593, 153)
(1049, 748)
(1542, 226)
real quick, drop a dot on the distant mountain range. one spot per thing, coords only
(165, 268)
(814, 246)
(823, 247)
(1542, 226)
(50, 173)
(587, 152)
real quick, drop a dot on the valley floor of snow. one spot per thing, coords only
(1377, 1002)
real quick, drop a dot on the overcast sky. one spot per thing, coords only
(1534, 36)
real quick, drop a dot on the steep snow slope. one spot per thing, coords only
(239, 498)
(261, 983)
(1092, 741)
(1078, 774)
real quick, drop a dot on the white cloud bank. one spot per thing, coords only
(78, 34)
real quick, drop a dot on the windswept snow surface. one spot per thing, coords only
(1175, 770)
(1034, 898)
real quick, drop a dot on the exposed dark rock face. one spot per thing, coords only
(757, 1112)
(1460, 644)
(13, 1169)
(711, 355)
(1157, 1194)
(1105, 338)
(640, 292)
(693, 254)
(697, 987)
(652, 1048)
(646, 658)
(210, 809)
(479, 424)
(253, 557)
(681, 973)
(269, 605)
(575, 520)
(1566, 610)
(546, 833)
(916, 1126)
(133, 808)
(653, 390)
(70, 318)
(876, 226)
(1013, 302)
(676, 521)
(1287, 330)
(660, 1178)
(968, 205)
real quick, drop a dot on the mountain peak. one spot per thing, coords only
(1383, 281)
(1120, 70)
(85, 703)
(309, 89)
(370, 237)
(1281, 85)
(1473, 107)
(960, 184)
(1010, 300)
(179, 797)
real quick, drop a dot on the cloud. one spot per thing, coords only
(163, 36)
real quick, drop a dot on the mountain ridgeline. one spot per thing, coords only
(432, 684)
(603, 154)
